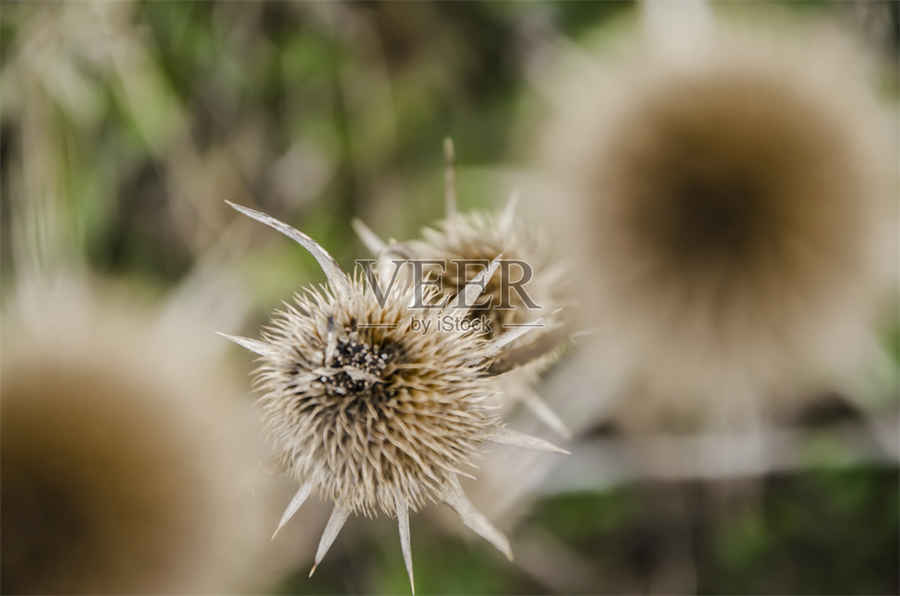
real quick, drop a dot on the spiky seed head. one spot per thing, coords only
(482, 236)
(368, 404)
(376, 403)
(732, 206)
(530, 289)
(479, 237)
(127, 464)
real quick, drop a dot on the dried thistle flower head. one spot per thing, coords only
(528, 289)
(373, 404)
(732, 202)
(126, 465)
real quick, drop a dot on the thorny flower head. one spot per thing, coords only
(734, 206)
(368, 410)
(528, 289)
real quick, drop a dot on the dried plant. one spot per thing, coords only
(735, 208)
(458, 248)
(370, 412)
(128, 466)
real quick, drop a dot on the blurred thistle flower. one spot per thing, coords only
(375, 404)
(733, 190)
(126, 467)
(528, 289)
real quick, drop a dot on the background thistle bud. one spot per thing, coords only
(734, 202)
(529, 288)
(526, 255)
(127, 466)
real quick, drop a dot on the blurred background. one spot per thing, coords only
(123, 128)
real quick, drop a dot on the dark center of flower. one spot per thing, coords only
(702, 218)
(712, 188)
(352, 357)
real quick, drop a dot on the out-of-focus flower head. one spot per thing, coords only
(129, 465)
(732, 187)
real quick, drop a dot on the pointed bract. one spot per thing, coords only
(515, 332)
(507, 436)
(544, 413)
(370, 239)
(508, 216)
(337, 520)
(332, 270)
(253, 345)
(449, 178)
(472, 290)
(296, 503)
(474, 519)
(403, 525)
